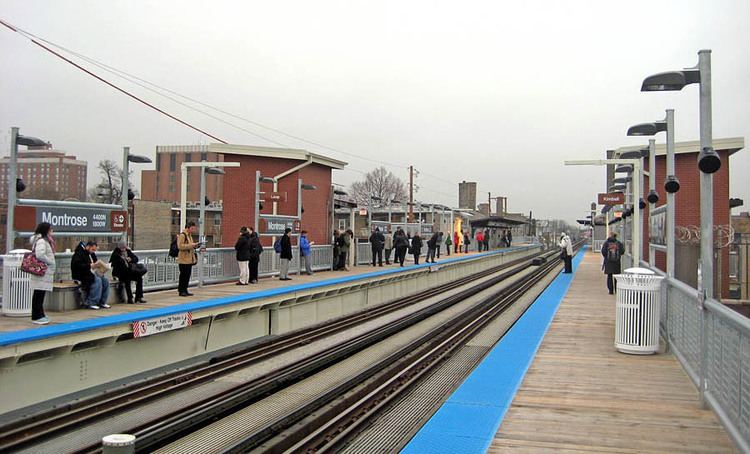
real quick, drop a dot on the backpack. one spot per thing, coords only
(277, 246)
(613, 252)
(174, 251)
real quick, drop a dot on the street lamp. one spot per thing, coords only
(708, 159)
(127, 158)
(258, 202)
(15, 184)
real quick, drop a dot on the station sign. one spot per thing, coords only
(612, 198)
(427, 228)
(70, 219)
(278, 196)
(271, 225)
(142, 328)
(385, 227)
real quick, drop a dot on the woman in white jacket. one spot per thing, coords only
(566, 252)
(44, 248)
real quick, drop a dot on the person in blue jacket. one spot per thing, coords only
(304, 249)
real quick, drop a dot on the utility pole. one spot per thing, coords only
(489, 204)
(411, 194)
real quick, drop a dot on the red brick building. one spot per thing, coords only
(48, 174)
(687, 207)
(236, 189)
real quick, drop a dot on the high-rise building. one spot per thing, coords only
(467, 195)
(47, 173)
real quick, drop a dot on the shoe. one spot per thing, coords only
(611, 292)
(93, 306)
(239, 283)
(105, 306)
(140, 301)
(40, 321)
(189, 294)
(184, 294)
(287, 279)
(131, 302)
(254, 282)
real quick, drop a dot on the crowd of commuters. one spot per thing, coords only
(90, 272)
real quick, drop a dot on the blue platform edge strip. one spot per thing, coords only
(469, 419)
(34, 334)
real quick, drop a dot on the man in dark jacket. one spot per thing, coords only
(416, 247)
(242, 246)
(432, 245)
(377, 243)
(401, 244)
(122, 261)
(612, 251)
(286, 255)
(82, 267)
(255, 250)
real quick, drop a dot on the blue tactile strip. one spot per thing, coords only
(34, 334)
(468, 420)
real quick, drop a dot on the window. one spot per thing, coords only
(204, 156)
(217, 219)
(158, 161)
(188, 157)
(172, 162)
(342, 224)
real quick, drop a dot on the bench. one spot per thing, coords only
(68, 296)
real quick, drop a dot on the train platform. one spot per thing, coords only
(169, 298)
(555, 383)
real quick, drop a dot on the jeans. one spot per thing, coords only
(377, 253)
(342, 261)
(244, 271)
(438, 251)
(98, 291)
(308, 264)
(37, 305)
(611, 284)
(388, 256)
(185, 271)
(430, 255)
(400, 255)
(284, 268)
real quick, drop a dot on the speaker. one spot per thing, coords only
(652, 196)
(672, 184)
(708, 160)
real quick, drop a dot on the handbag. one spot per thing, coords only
(138, 269)
(33, 265)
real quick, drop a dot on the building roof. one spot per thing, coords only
(730, 144)
(503, 220)
(273, 152)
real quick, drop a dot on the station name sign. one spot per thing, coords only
(70, 220)
(613, 198)
(270, 225)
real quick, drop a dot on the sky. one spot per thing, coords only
(500, 93)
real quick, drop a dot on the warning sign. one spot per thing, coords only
(151, 326)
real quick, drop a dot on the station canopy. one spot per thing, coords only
(501, 221)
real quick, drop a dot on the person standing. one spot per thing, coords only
(401, 243)
(255, 250)
(467, 242)
(377, 243)
(480, 240)
(285, 255)
(612, 251)
(388, 246)
(456, 242)
(439, 244)
(566, 253)
(487, 239)
(336, 249)
(242, 247)
(43, 247)
(345, 242)
(304, 250)
(509, 236)
(416, 247)
(431, 247)
(448, 244)
(83, 266)
(122, 261)
(186, 258)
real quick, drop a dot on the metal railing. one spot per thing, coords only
(712, 342)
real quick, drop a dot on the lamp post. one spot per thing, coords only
(14, 183)
(301, 187)
(127, 158)
(708, 159)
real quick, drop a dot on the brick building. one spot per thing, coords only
(687, 208)
(235, 191)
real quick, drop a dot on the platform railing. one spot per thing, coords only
(712, 342)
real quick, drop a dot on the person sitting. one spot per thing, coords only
(87, 269)
(124, 268)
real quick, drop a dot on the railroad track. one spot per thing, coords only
(26, 432)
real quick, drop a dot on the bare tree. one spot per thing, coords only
(109, 189)
(380, 184)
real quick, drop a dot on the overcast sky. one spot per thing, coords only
(494, 92)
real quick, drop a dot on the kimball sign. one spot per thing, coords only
(613, 198)
(65, 219)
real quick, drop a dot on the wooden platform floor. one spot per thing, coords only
(581, 395)
(170, 297)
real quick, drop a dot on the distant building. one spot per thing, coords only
(165, 184)
(467, 195)
(48, 174)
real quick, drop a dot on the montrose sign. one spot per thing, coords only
(70, 220)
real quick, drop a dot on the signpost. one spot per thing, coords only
(614, 198)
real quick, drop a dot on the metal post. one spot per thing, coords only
(124, 195)
(10, 234)
(369, 212)
(256, 222)
(202, 224)
(670, 196)
(637, 227)
(299, 216)
(706, 271)
(183, 196)
(651, 187)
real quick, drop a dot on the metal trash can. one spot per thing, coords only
(637, 311)
(16, 285)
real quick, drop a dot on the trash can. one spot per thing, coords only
(16, 285)
(637, 312)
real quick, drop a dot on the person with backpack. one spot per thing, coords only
(242, 247)
(186, 257)
(255, 250)
(612, 251)
(432, 245)
(566, 253)
(401, 243)
(345, 242)
(304, 250)
(285, 254)
(377, 243)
